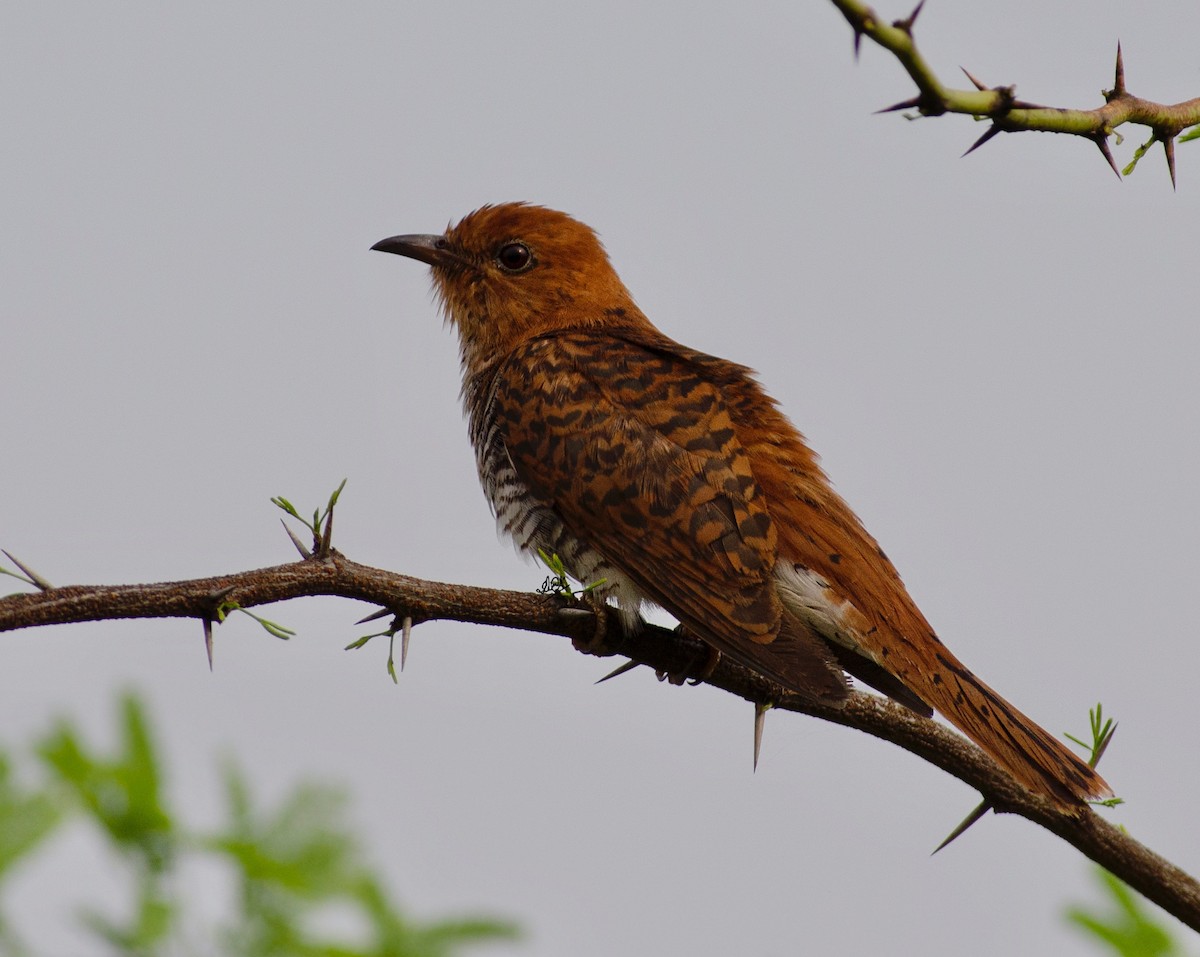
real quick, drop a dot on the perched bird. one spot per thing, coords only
(674, 477)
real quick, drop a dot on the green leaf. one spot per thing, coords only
(280, 502)
(395, 935)
(1127, 925)
(270, 627)
(122, 794)
(333, 499)
(150, 927)
(559, 583)
(291, 863)
(1102, 730)
(1137, 155)
(27, 818)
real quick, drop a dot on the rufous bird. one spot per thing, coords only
(671, 475)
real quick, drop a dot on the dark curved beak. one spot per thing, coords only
(433, 250)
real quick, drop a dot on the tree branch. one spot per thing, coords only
(664, 650)
(1010, 115)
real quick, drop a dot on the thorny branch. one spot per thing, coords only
(666, 651)
(1010, 115)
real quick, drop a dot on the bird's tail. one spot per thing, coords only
(1028, 752)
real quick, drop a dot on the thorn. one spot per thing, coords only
(858, 35)
(1111, 731)
(1169, 148)
(221, 594)
(327, 536)
(907, 23)
(34, 578)
(574, 614)
(617, 672)
(405, 635)
(300, 546)
(966, 823)
(979, 86)
(1101, 140)
(760, 720)
(216, 597)
(375, 616)
(904, 105)
(992, 130)
(208, 640)
(1119, 79)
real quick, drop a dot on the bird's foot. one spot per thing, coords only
(697, 671)
(594, 644)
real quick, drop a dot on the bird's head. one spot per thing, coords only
(510, 272)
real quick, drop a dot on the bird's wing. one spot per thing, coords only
(638, 456)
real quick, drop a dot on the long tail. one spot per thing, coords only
(922, 671)
(1024, 749)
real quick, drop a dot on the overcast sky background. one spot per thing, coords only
(996, 357)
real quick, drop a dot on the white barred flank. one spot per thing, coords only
(532, 524)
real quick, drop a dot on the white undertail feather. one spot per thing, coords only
(809, 597)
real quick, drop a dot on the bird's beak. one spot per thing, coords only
(433, 250)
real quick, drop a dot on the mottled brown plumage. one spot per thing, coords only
(672, 475)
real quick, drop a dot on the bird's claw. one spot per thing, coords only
(594, 643)
(691, 674)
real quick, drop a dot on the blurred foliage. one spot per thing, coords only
(294, 869)
(1125, 923)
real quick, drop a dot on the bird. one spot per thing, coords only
(673, 477)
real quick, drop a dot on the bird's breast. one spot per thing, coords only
(533, 524)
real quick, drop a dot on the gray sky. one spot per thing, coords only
(995, 356)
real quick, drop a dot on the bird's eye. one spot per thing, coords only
(514, 257)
